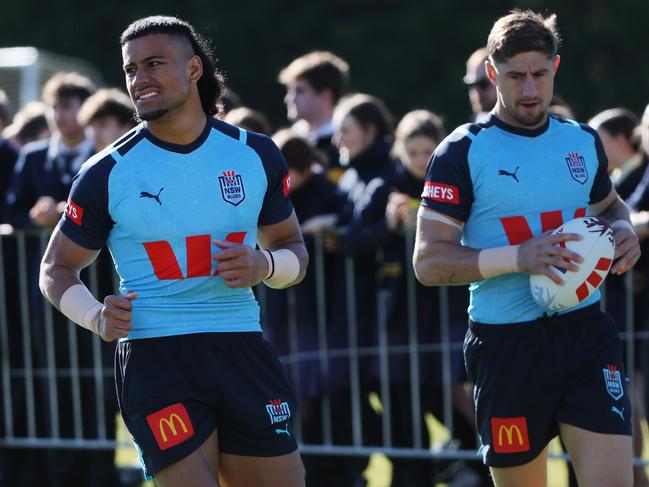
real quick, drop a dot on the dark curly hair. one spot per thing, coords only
(211, 84)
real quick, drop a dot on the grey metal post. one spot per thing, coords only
(98, 363)
(51, 372)
(74, 379)
(4, 357)
(446, 359)
(293, 353)
(323, 343)
(382, 319)
(352, 335)
(413, 342)
(27, 336)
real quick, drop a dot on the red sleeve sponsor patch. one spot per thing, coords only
(286, 185)
(170, 425)
(74, 212)
(443, 193)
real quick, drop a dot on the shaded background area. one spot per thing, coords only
(411, 53)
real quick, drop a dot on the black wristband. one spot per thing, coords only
(272, 264)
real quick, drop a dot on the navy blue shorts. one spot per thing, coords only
(529, 377)
(175, 391)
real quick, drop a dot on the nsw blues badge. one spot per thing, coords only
(278, 411)
(577, 167)
(613, 381)
(232, 187)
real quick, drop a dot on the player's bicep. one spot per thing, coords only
(280, 234)
(62, 251)
(604, 204)
(434, 227)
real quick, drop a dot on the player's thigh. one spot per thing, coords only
(199, 469)
(530, 474)
(246, 471)
(600, 460)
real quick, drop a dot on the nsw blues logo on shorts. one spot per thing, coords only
(232, 187)
(278, 411)
(613, 381)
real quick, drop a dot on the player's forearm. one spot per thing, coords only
(618, 211)
(446, 264)
(54, 280)
(63, 288)
(287, 265)
(299, 250)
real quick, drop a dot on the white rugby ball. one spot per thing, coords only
(597, 248)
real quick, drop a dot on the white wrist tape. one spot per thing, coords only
(81, 307)
(283, 268)
(498, 261)
(623, 224)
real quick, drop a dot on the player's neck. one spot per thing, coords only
(503, 114)
(181, 128)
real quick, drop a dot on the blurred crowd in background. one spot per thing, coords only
(357, 173)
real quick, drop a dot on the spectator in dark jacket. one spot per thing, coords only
(317, 321)
(314, 84)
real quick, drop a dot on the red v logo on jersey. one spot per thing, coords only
(199, 256)
(518, 229)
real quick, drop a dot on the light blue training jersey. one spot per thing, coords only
(160, 206)
(508, 184)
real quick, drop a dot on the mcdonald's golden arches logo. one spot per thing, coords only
(509, 435)
(170, 426)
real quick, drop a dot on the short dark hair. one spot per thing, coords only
(67, 85)
(28, 123)
(210, 85)
(368, 111)
(248, 119)
(107, 102)
(297, 151)
(523, 31)
(417, 123)
(618, 121)
(321, 69)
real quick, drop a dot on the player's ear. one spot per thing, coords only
(491, 71)
(195, 68)
(555, 62)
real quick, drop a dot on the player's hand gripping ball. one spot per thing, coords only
(597, 248)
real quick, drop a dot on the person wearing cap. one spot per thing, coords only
(482, 93)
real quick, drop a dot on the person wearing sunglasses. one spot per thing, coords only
(482, 94)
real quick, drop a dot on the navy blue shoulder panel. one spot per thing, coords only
(87, 220)
(448, 188)
(226, 128)
(277, 205)
(602, 183)
(129, 140)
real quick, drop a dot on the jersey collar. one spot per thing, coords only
(180, 148)
(518, 130)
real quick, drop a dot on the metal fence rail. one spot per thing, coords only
(54, 376)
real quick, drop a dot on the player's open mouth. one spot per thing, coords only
(147, 96)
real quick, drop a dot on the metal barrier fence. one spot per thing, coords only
(56, 379)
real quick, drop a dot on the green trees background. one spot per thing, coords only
(411, 53)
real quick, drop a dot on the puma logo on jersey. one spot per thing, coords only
(502, 172)
(144, 194)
